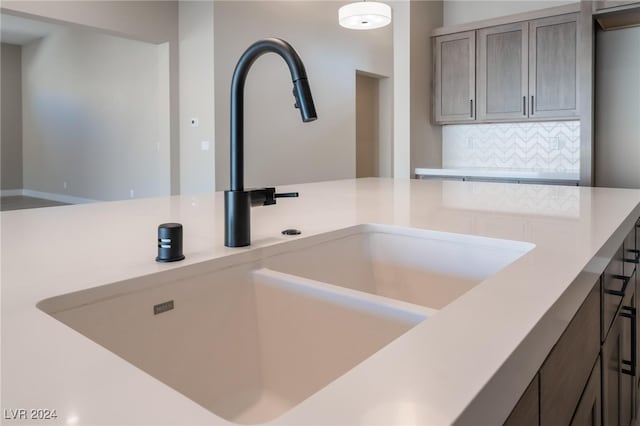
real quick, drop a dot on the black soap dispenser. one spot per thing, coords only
(169, 242)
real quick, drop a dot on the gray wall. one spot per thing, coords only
(197, 166)
(11, 121)
(617, 150)
(95, 116)
(426, 138)
(150, 21)
(279, 148)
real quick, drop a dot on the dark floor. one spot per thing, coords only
(19, 202)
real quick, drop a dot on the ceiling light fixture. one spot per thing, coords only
(364, 15)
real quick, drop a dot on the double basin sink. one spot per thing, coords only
(253, 336)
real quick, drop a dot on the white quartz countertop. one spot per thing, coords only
(468, 364)
(501, 173)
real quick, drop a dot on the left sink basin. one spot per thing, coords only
(245, 343)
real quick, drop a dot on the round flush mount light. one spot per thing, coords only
(364, 15)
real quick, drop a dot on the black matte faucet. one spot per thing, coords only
(238, 201)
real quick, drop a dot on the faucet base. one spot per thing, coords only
(237, 218)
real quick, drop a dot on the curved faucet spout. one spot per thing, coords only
(301, 92)
(237, 201)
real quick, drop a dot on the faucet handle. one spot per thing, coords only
(286, 195)
(267, 196)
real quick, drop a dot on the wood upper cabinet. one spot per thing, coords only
(455, 75)
(607, 4)
(525, 70)
(553, 61)
(503, 72)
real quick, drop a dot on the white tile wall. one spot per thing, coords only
(545, 146)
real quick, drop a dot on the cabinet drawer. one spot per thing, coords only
(612, 291)
(566, 370)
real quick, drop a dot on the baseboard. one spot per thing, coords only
(10, 192)
(62, 198)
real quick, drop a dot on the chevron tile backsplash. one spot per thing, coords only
(544, 146)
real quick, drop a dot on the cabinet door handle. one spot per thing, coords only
(631, 313)
(635, 256)
(625, 281)
(471, 109)
(531, 105)
(524, 106)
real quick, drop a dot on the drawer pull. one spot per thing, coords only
(625, 281)
(635, 256)
(630, 312)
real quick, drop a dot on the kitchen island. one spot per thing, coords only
(467, 364)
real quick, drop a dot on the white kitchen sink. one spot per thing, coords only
(250, 336)
(246, 345)
(424, 267)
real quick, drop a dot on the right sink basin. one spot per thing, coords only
(422, 267)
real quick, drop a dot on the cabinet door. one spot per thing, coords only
(627, 388)
(553, 58)
(527, 410)
(588, 411)
(613, 289)
(455, 77)
(636, 245)
(612, 374)
(566, 370)
(502, 81)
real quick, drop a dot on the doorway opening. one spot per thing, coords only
(372, 152)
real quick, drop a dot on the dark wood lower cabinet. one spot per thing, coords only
(629, 358)
(591, 376)
(526, 411)
(566, 370)
(611, 374)
(588, 411)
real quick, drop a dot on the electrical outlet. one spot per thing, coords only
(204, 145)
(195, 122)
(131, 193)
(470, 141)
(65, 185)
(553, 143)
